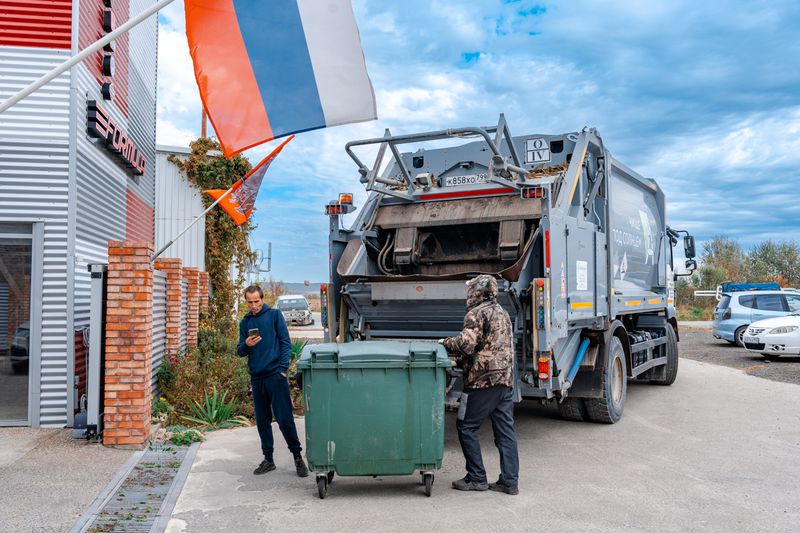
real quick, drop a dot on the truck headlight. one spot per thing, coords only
(782, 329)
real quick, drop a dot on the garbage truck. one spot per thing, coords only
(577, 241)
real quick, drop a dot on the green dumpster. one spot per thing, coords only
(374, 408)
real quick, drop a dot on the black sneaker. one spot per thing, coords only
(463, 484)
(499, 487)
(266, 466)
(300, 466)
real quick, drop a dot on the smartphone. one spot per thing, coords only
(252, 332)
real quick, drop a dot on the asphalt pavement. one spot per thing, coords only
(312, 332)
(709, 453)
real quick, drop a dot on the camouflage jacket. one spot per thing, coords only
(484, 347)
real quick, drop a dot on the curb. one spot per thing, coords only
(165, 513)
(106, 494)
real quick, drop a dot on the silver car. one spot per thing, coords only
(295, 309)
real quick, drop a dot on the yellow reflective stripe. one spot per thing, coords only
(578, 174)
(670, 300)
(654, 301)
(633, 302)
(582, 305)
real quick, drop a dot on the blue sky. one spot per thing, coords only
(704, 97)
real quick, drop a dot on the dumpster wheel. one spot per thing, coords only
(427, 480)
(322, 486)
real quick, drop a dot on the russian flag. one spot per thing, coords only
(270, 68)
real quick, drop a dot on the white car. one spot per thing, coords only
(295, 309)
(774, 337)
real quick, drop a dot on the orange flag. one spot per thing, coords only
(239, 203)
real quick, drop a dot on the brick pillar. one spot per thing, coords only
(172, 268)
(192, 275)
(204, 294)
(129, 344)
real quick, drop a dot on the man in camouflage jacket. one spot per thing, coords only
(485, 352)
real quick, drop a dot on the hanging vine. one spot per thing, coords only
(226, 243)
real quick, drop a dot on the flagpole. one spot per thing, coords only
(192, 223)
(83, 54)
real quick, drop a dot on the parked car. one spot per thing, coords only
(737, 310)
(774, 337)
(20, 346)
(295, 309)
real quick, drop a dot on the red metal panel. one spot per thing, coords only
(36, 23)
(91, 30)
(81, 354)
(139, 219)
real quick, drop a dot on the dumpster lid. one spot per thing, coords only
(431, 353)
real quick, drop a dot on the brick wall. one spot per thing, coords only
(172, 268)
(192, 275)
(129, 344)
(129, 337)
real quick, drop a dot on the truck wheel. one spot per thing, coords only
(670, 370)
(573, 409)
(608, 409)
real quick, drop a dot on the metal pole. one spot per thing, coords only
(83, 54)
(192, 223)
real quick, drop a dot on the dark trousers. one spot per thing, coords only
(496, 403)
(271, 397)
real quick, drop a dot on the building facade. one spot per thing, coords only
(77, 170)
(178, 203)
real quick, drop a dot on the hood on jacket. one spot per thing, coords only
(481, 289)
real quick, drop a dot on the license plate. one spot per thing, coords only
(750, 340)
(472, 179)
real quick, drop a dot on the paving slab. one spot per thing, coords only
(48, 479)
(717, 451)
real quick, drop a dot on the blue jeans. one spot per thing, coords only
(496, 403)
(271, 397)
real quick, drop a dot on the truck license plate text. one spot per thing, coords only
(455, 181)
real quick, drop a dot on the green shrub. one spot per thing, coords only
(294, 387)
(212, 365)
(159, 407)
(183, 436)
(215, 413)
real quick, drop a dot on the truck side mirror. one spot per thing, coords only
(691, 265)
(688, 246)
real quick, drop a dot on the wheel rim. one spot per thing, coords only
(616, 381)
(740, 337)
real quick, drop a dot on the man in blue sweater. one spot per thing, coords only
(264, 339)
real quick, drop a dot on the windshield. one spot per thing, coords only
(293, 304)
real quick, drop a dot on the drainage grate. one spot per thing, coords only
(134, 507)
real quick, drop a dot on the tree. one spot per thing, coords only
(226, 243)
(725, 257)
(771, 261)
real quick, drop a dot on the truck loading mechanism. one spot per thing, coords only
(577, 240)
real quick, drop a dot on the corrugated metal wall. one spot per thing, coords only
(34, 180)
(103, 184)
(91, 30)
(5, 335)
(159, 323)
(177, 204)
(36, 23)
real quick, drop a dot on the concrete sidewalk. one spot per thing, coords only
(708, 454)
(48, 479)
